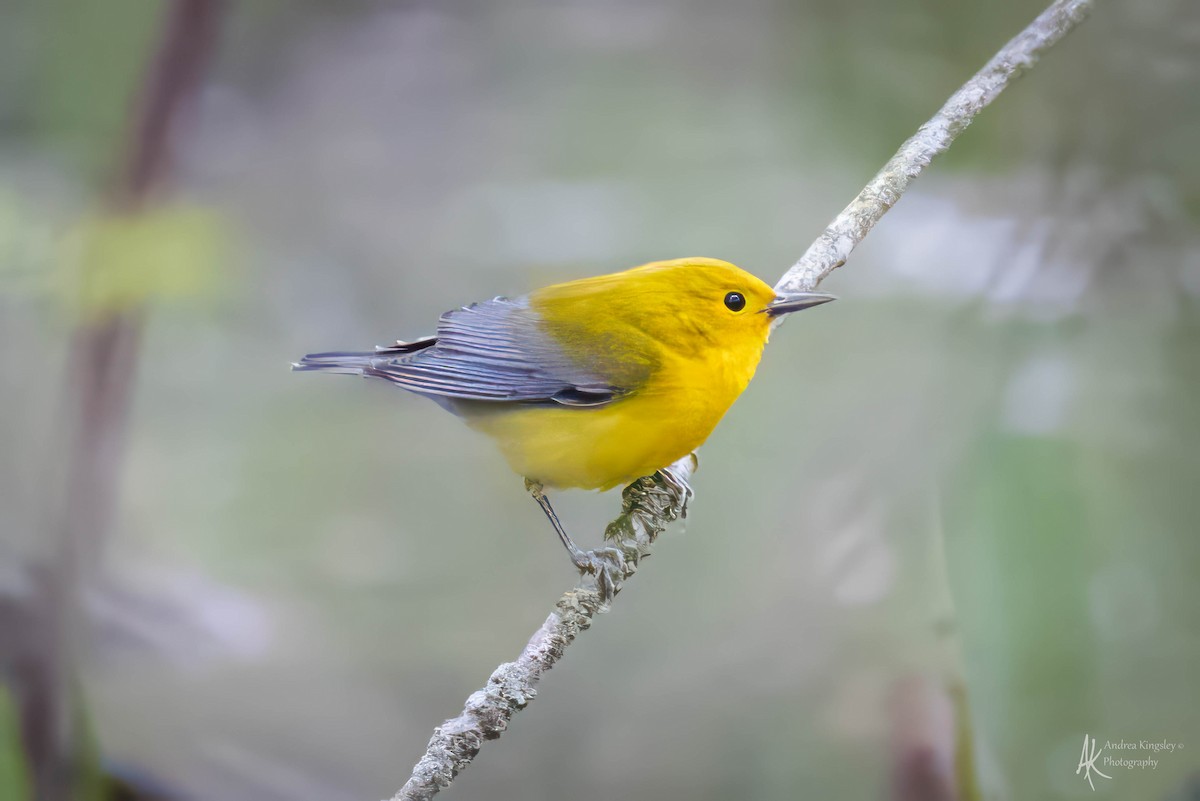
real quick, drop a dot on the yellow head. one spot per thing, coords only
(687, 306)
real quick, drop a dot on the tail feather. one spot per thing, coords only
(343, 362)
(348, 362)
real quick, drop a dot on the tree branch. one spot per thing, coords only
(649, 504)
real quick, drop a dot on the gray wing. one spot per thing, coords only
(493, 351)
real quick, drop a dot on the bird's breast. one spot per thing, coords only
(693, 394)
(670, 415)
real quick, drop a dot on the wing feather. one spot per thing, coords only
(496, 351)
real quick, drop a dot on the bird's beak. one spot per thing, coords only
(795, 301)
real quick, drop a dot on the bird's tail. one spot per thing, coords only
(338, 361)
(360, 362)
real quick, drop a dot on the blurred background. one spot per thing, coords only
(950, 529)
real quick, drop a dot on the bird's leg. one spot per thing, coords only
(600, 563)
(578, 555)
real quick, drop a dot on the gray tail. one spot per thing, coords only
(339, 361)
(359, 362)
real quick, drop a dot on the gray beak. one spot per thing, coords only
(795, 301)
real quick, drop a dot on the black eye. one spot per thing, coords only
(735, 301)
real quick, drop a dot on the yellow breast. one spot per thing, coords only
(601, 448)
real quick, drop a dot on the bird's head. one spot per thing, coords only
(693, 307)
(701, 303)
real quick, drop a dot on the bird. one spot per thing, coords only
(596, 382)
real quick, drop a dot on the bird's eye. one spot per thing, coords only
(735, 301)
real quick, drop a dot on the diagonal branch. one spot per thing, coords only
(649, 504)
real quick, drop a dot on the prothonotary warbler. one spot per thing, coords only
(596, 382)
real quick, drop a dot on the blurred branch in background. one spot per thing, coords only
(99, 383)
(923, 741)
(929, 746)
(934, 750)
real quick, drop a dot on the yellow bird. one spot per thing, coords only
(597, 382)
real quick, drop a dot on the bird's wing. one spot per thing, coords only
(495, 351)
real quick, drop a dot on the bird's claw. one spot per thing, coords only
(679, 485)
(607, 565)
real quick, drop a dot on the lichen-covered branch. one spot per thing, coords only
(651, 503)
(833, 246)
(648, 506)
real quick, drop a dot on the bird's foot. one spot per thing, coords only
(679, 485)
(607, 566)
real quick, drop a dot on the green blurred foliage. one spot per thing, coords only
(86, 69)
(116, 263)
(14, 775)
